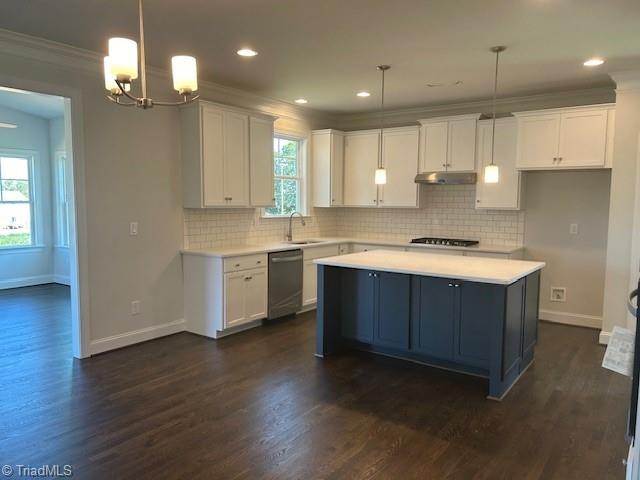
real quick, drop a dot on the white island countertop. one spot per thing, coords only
(473, 269)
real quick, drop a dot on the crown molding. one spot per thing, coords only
(627, 80)
(503, 105)
(73, 58)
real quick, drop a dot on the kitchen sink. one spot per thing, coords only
(304, 242)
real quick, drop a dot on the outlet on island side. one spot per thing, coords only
(135, 307)
(558, 294)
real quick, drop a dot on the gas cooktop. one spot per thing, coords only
(449, 242)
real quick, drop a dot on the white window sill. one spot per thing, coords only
(22, 249)
(280, 217)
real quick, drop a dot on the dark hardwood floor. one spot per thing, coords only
(259, 405)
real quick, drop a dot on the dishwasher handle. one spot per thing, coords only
(286, 259)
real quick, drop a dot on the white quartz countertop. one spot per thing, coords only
(240, 250)
(473, 269)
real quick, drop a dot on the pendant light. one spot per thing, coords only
(381, 173)
(121, 68)
(492, 171)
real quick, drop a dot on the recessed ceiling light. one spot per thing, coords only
(247, 52)
(594, 62)
(363, 94)
(8, 125)
(301, 101)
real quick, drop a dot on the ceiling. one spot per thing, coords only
(327, 50)
(38, 104)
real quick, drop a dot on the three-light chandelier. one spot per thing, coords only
(121, 68)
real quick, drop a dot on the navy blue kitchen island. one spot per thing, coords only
(473, 315)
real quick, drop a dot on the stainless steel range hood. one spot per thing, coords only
(447, 178)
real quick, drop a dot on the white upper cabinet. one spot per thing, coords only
(400, 158)
(360, 163)
(327, 157)
(506, 194)
(575, 137)
(236, 159)
(448, 144)
(435, 145)
(227, 157)
(261, 161)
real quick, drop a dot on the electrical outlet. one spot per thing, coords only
(133, 228)
(558, 294)
(135, 307)
(573, 229)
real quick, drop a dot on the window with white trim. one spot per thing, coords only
(62, 200)
(16, 200)
(288, 176)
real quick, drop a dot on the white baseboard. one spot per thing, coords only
(604, 338)
(136, 336)
(26, 281)
(576, 319)
(62, 280)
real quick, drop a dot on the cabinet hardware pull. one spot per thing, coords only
(456, 285)
(370, 274)
(248, 278)
(451, 284)
(559, 159)
(477, 201)
(237, 264)
(259, 262)
(444, 164)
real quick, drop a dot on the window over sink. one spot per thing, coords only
(288, 176)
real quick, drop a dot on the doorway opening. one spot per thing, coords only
(38, 266)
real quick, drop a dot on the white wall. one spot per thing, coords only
(619, 280)
(554, 200)
(30, 265)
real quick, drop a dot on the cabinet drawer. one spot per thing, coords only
(235, 264)
(310, 253)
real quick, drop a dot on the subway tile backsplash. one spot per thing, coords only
(448, 211)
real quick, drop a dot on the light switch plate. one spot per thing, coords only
(573, 229)
(135, 307)
(133, 228)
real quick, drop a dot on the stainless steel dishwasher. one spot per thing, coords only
(285, 283)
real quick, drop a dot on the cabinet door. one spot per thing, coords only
(234, 311)
(583, 138)
(538, 141)
(337, 169)
(461, 151)
(392, 315)
(400, 158)
(506, 193)
(357, 305)
(255, 294)
(433, 156)
(236, 159)
(212, 157)
(261, 162)
(360, 163)
(433, 317)
(477, 305)
(309, 283)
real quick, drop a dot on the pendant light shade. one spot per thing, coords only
(185, 74)
(491, 174)
(381, 173)
(381, 176)
(123, 55)
(492, 171)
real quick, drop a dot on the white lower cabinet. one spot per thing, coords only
(224, 295)
(245, 297)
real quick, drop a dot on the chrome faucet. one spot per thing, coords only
(290, 232)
